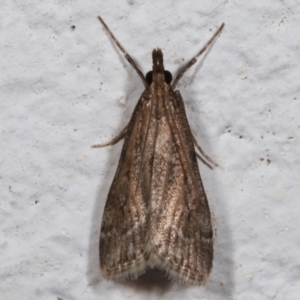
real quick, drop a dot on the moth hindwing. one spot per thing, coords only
(157, 214)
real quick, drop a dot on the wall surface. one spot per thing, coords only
(65, 86)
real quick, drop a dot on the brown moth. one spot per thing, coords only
(157, 214)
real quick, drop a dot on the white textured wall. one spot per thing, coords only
(63, 90)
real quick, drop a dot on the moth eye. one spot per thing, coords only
(149, 77)
(168, 77)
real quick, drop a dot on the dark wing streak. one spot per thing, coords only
(125, 162)
(168, 185)
(170, 229)
(145, 139)
(135, 210)
(180, 119)
(176, 133)
(144, 136)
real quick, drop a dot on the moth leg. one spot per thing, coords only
(203, 153)
(126, 55)
(194, 59)
(114, 140)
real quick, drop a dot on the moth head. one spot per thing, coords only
(168, 77)
(158, 68)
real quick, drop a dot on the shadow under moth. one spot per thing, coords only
(157, 214)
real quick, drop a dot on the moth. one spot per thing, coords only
(157, 214)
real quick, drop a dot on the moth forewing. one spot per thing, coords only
(156, 214)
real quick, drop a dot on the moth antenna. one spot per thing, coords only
(126, 55)
(194, 59)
